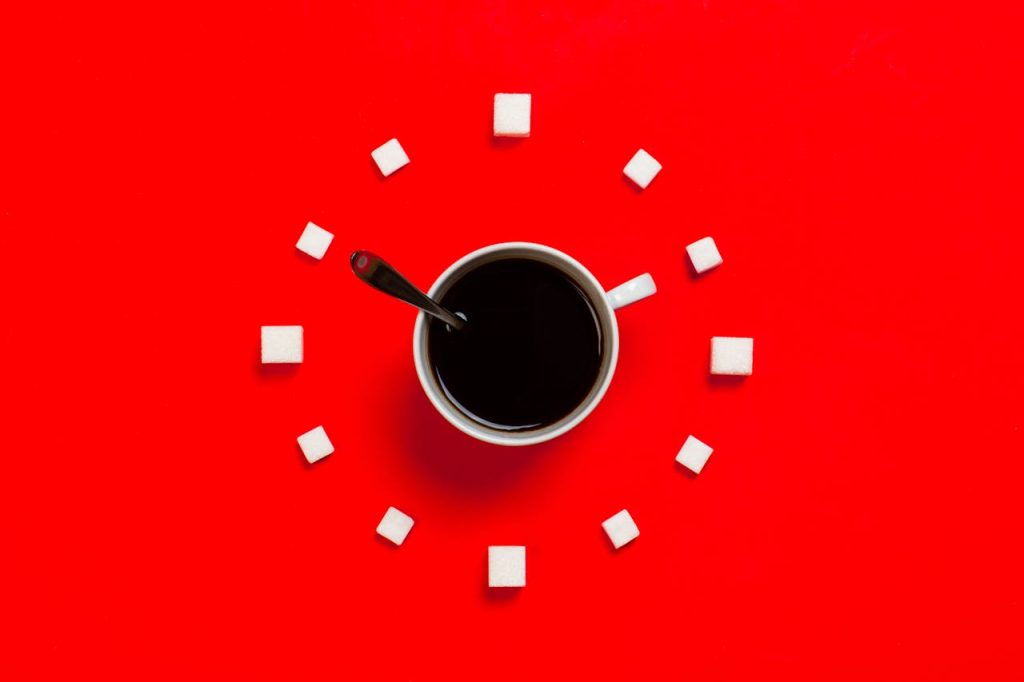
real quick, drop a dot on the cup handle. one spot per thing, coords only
(632, 291)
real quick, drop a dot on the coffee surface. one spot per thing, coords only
(530, 351)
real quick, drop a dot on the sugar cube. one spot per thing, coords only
(642, 168)
(694, 454)
(621, 529)
(389, 157)
(315, 444)
(731, 355)
(314, 240)
(704, 255)
(395, 526)
(511, 115)
(506, 566)
(281, 344)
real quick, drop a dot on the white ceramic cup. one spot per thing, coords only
(605, 305)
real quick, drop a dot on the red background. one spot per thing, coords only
(857, 164)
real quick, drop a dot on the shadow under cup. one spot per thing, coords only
(545, 337)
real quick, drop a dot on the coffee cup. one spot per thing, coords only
(538, 350)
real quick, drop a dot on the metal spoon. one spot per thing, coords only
(375, 271)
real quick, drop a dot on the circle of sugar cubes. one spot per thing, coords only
(511, 115)
(315, 444)
(395, 526)
(642, 168)
(389, 157)
(704, 255)
(732, 355)
(281, 344)
(506, 566)
(694, 454)
(621, 529)
(314, 240)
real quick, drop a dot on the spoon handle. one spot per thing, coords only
(375, 271)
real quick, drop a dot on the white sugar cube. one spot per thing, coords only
(511, 115)
(704, 255)
(621, 529)
(732, 355)
(694, 454)
(315, 444)
(389, 157)
(506, 566)
(642, 168)
(281, 344)
(395, 525)
(314, 241)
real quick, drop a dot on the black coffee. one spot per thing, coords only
(530, 351)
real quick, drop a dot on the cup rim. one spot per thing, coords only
(462, 422)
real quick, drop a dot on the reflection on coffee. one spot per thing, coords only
(531, 351)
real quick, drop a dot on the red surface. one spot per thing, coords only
(858, 166)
